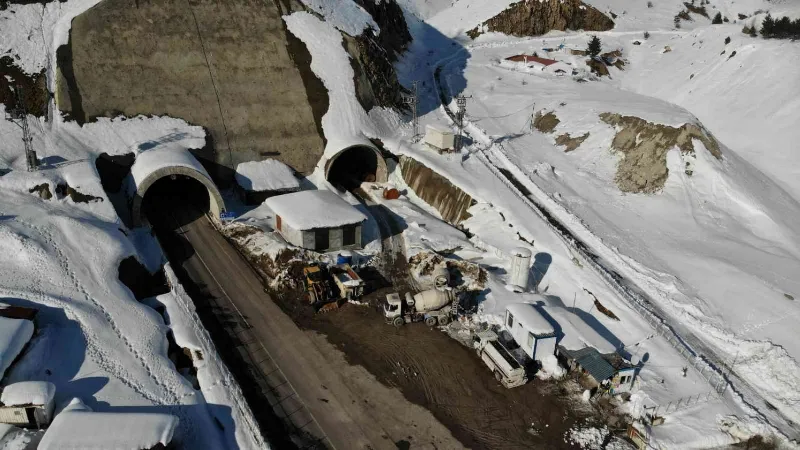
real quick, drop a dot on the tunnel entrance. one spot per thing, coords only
(355, 165)
(174, 201)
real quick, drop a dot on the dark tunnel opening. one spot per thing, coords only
(354, 166)
(175, 201)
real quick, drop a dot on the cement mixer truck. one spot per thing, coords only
(432, 306)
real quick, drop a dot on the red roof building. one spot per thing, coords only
(530, 58)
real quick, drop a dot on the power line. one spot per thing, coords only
(412, 101)
(213, 83)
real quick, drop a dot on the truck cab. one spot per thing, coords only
(393, 309)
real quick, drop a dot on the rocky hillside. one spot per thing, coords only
(535, 17)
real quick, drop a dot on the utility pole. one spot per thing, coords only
(411, 101)
(461, 103)
(19, 115)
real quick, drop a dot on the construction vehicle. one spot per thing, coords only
(325, 295)
(318, 287)
(432, 306)
(351, 286)
(507, 370)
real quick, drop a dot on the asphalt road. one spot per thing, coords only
(310, 393)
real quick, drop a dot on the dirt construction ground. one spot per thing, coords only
(438, 373)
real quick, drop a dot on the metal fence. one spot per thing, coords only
(717, 381)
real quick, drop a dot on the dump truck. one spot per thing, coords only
(432, 306)
(507, 370)
(351, 286)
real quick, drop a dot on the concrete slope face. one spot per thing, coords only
(229, 66)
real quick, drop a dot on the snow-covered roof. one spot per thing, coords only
(14, 334)
(86, 430)
(149, 161)
(530, 318)
(28, 393)
(267, 175)
(439, 128)
(306, 210)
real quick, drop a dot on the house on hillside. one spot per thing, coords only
(258, 180)
(27, 404)
(317, 220)
(534, 333)
(78, 427)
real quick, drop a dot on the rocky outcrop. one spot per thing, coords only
(373, 56)
(545, 123)
(644, 146)
(34, 88)
(571, 143)
(536, 17)
(436, 190)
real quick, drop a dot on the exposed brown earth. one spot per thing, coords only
(534, 17)
(571, 143)
(436, 190)
(644, 146)
(545, 123)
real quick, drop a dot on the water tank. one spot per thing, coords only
(344, 257)
(520, 267)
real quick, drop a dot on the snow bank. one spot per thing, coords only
(266, 175)
(86, 430)
(149, 161)
(306, 210)
(28, 393)
(345, 123)
(345, 15)
(14, 334)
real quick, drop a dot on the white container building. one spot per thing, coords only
(439, 137)
(531, 330)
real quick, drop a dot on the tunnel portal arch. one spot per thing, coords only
(355, 164)
(145, 175)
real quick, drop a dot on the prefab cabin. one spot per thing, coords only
(531, 330)
(317, 220)
(27, 404)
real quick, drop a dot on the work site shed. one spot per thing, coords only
(317, 220)
(531, 330)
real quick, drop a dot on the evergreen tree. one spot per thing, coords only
(783, 27)
(717, 19)
(595, 47)
(768, 27)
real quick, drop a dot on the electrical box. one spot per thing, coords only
(439, 137)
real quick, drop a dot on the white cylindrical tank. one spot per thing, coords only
(431, 300)
(520, 267)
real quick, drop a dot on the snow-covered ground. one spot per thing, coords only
(95, 340)
(717, 249)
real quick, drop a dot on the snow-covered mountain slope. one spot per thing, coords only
(716, 245)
